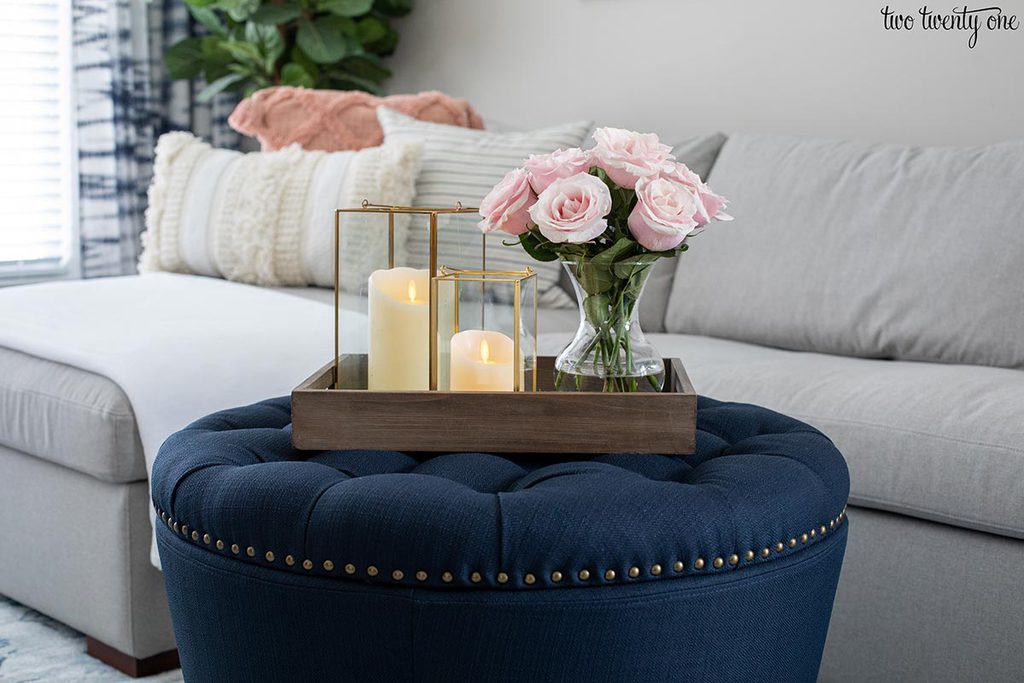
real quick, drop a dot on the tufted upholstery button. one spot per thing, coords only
(525, 515)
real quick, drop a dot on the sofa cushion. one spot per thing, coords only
(68, 416)
(939, 442)
(865, 250)
(699, 154)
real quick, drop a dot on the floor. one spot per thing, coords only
(34, 647)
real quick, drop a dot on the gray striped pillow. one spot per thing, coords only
(462, 164)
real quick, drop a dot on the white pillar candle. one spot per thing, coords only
(399, 320)
(482, 360)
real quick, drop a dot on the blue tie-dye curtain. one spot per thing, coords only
(124, 102)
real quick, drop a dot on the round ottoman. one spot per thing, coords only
(285, 565)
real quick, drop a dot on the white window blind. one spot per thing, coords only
(38, 181)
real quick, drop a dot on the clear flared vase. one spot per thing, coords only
(609, 351)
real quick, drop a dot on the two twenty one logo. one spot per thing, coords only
(965, 18)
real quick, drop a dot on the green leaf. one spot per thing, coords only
(185, 58)
(347, 8)
(294, 74)
(276, 14)
(303, 60)
(268, 41)
(537, 249)
(219, 86)
(208, 18)
(322, 40)
(368, 67)
(597, 309)
(635, 265)
(596, 276)
(201, 3)
(386, 45)
(343, 81)
(371, 30)
(394, 8)
(215, 58)
(243, 52)
(239, 10)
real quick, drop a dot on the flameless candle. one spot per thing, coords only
(482, 360)
(399, 320)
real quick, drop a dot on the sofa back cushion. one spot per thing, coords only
(699, 154)
(863, 250)
(335, 120)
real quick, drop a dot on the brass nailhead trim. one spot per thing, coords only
(475, 577)
(655, 569)
(717, 564)
(220, 544)
(823, 529)
(803, 538)
(289, 560)
(250, 551)
(832, 524)
(556, 576)
(634, 572)
(195, 535)
(206, 539)
(530, 579)
(792, 543)
(699, 564)
(350, 568)
(814, 532)
(447, 577)
(270, 556)
(184, 530)
(175, 527)
(371, 571)
(677, 566)
(779, 547)
(750, 555)
(398, 575)
(421, 575)
(307, 564)
(328, 566)
(502, 577)
(235, 549)
(584, 575)
(765, 552)
(609, 575)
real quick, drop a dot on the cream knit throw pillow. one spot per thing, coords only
(268, 218)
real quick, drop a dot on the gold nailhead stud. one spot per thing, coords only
(717, 564)
(750, 555)
(235, 549)
(250, 551)
(634, 572)
(195, 535)
(307, 564)
(397, 575)
(175, 527)
(803, 538)
(289, 560)
(823, 529)
(556, 576)
(350, 568)
(655, 569)
(184, 530)
(170, 524)
(609, 575)
(814, 532)
(530, 579)
(734, 559)
(328, 566)
(765, 552)
(699, 564)
(832, 524)
(270, 556)
(371, 571)
(502, 577)
(584, 575)
(220, 544)
(779, 547)
(207, 539)
(447, 577)
(475, 577)
(421, 575)
(677, 566)
(792, 543)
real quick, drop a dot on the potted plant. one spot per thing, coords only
(254, 44)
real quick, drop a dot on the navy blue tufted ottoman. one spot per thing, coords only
(284, 565)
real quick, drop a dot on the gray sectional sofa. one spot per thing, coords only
(876, 292)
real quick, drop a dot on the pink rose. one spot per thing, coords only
(711, 204)
(627, 156)
(665, 213)
(573, 209)
(506, 206)
(545, 169)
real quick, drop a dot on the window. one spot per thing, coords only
(38, 179)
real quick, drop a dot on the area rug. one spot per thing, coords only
(34, 647)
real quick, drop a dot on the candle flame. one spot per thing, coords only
(412, 292)
(485, 351)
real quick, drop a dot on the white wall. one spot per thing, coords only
(682, 67)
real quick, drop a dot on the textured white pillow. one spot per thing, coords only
(268, 218)
(462, 164)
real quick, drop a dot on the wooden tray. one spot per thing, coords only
(545, 421)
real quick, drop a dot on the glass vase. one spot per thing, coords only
(609, 351)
